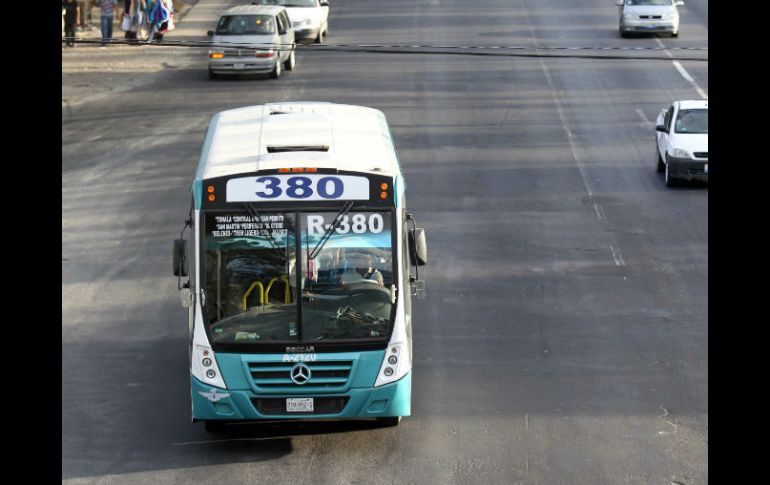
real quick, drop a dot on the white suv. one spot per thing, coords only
(649, 16)
(309, 18)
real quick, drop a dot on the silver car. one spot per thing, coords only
(650, 16)
(262, 41)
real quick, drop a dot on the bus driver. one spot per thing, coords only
(359, 270)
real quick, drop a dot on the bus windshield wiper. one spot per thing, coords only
(269, 235)
(333, 227)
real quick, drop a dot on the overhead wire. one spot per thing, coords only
(573, 52)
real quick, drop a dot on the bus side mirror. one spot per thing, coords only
(180, 257)
(418, 248)
(210, 33)
(661, 128)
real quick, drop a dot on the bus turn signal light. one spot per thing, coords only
(217, 55)
(210, 188)
(212, 198)
(297, 170)
(383, 195)
(383, 186)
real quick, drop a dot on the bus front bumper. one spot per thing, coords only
(225, 404)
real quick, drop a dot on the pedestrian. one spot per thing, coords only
(137, 20)
(108, 17)
(125, 22)
(157, 13)
(71, 19)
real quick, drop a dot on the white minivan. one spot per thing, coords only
(310, 18)
(252, 39)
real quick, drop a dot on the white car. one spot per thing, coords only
(682, 142)
(267, 29)
(649, 16)
(309, 18)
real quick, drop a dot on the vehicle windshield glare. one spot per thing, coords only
(347, 290)
(694, 121)
(650, 2)
(246, 25)
(250, 277)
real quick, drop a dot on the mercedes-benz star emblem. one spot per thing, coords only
(300, 374)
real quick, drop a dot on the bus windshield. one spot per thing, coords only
(250, 276)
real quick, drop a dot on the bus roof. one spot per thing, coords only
(297, 134)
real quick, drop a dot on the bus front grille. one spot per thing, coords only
(326, 375)
(321, 405)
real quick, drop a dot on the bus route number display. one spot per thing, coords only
(305, 187)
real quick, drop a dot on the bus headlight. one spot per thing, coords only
(395, 365)
(204, 367)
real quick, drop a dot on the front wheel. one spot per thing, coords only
(276, 70)
(291, 62)
(661, 165)
(389, 421)
(675, 34)
(670, 179)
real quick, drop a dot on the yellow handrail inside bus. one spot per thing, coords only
(261, 293)
(287, 294)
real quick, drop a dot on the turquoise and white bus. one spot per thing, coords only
(299, 267)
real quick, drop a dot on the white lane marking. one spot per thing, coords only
(599, 211)
(643, 117)
(689, 79)
(572, 146)
(662, 46)
(552, 90)
(683, 72)
(617, 256)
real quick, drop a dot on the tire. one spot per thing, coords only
(214, 426)
(291, 62)
(212, 75)
(661, 165)
(675, 34)
(389, 421)
(623, 34)
(277, 70)
(670, 179)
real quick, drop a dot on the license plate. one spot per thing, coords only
(299, 405)
(238, 66)
(706, 168)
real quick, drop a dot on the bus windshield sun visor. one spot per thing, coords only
(300, 148)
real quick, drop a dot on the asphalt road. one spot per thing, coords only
(564, 336)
